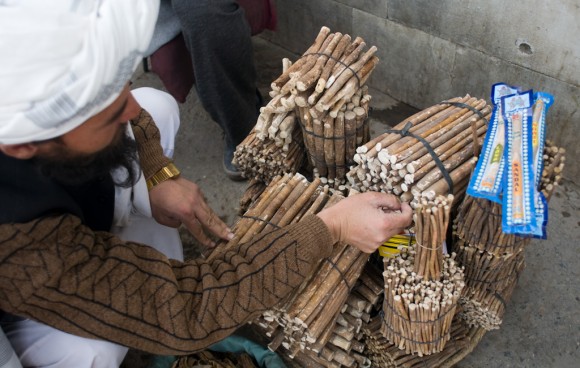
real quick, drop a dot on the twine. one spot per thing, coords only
(428, 248)
(314, 158)
(261, 220)
(382, 314)
(342, 276)
(466, 106)
(476, 237)
(405, 132)
(403, 318)
(310, 132)
(340, 62)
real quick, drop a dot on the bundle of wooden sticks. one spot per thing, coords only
(326, 89)
(279, 150)
(327, 75)
(486, 272)
(284, 201)
(403, 165)
(383, 353)
(306, 320)
(331, 141)
(418, 309)
(310, 317)
(554, 160)
(493, 260)
(345, 347)
(483, 302)
(431, 222)
(327, 85)
(478, 224)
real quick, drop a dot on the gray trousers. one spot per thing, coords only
(219, 40)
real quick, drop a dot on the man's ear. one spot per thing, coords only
(22, 151)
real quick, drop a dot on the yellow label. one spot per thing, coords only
(497, 154)
(392, 247)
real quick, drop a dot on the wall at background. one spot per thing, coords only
(434, 50)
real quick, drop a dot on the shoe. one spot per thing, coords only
(229, 168)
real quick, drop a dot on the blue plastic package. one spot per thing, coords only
(486, 181)
(542, 102)
(518, 216)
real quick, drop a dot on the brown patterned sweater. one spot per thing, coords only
(56, 270)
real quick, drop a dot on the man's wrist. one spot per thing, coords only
(330, 225)
(170, 171)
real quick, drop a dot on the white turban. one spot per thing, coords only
(63, 61)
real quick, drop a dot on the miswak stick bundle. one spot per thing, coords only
(428, 154)
(322, 97)
(422, 285)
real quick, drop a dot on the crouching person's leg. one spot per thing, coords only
(38, 345)
(133, 219)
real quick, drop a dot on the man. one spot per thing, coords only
(80, 199)
(218, 38)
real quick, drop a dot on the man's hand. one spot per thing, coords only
(180, 201)
(367, 220)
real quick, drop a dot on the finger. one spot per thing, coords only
(395, 231)
(168, 221)
(406, 208)
(403, 220)
(210, 220)
(389, 203)
(396, 220)
(407, 212)
(196, 229)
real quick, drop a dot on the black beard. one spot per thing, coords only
(78, 169)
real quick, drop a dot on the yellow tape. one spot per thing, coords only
(392, 247)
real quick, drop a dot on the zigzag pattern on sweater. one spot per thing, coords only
(59, 272)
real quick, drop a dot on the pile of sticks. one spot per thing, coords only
(284, 201)
(485, 271)
(310, 318)
(346, 345)
(307, 319)
(554, 160)
(385, 354)
(418, 311)
(483, 302)
(493, 260)
(326, 87)
(278, 150)
(328, 74)
(478, 224)
(331, 141)
(403, 165)
(431, 221)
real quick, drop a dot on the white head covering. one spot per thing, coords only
(63, 61)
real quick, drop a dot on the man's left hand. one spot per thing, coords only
(180, 201)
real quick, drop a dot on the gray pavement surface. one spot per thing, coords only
(541, 326)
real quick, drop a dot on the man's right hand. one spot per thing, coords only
(367, 220)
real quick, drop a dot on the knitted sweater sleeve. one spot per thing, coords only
(57, 271)
(148, 140)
